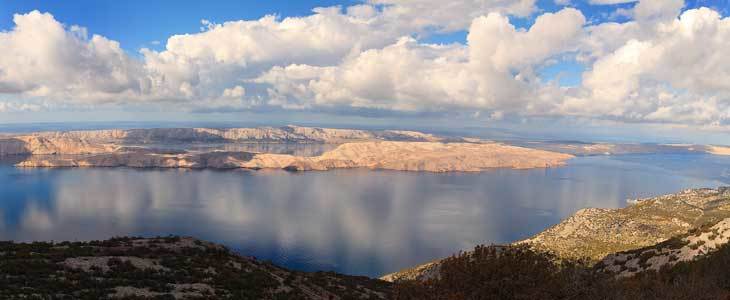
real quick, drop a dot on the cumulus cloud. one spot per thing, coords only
(12, 106)
(494, 71)
(448, 15)
(660, 10)
(664, 65)
(200, 65)
(609, 2)
(677, 73)
(41, 58)
(243, 49)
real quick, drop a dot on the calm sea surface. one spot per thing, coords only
(351, 221)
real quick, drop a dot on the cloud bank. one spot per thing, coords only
(665, 65)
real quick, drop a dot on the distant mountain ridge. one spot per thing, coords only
(287, 134)
(101, 141)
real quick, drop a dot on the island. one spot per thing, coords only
(382, 150)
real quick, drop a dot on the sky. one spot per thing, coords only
(604, 69)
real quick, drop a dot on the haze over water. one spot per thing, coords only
(344, 220)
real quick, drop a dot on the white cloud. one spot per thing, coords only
(41, 58)
(658, 9)
(658, 67)
(449, 15)
(11, 107)
(194, 64)
(676, 73)
(609, 2)
(494, 71)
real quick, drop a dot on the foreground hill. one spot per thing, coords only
(185, 268)
(522, 272)
(694, 264)
(162, 268)
(596, 233)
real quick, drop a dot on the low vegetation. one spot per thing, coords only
(162, 268)
(184, 268)
(520, 272)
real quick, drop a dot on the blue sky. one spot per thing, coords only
(140, 24)
(538, 77)
(137, 23)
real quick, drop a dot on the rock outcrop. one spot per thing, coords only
(719, 150)
(688, 247)
(39, 145)
(286, 134)
(595, 233)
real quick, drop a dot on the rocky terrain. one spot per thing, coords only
(386, 150)
(162, 268)
(405, 156)
(101, 141)
(596, 234)
(682, 248)
(719, 150)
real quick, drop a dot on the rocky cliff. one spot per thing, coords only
(405, 156)
(286, 134)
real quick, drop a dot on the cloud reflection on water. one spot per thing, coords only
(353, 221)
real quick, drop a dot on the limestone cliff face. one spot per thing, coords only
(27, 145)
(404, 156)
(218, 160)
(443, 157)
(286, 134)
(63, 145)
(106, 141)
